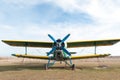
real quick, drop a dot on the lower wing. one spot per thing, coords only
(31, 56)
(72, 57)
(90, 56)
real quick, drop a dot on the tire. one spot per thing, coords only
(73, 67)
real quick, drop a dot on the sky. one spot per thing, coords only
(83, 19)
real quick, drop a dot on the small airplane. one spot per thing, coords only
(59, 51)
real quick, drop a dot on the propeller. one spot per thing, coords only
(51, 38)
(66, 51)
(55, 47)
(65, 37)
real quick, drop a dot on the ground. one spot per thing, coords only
(86, 69)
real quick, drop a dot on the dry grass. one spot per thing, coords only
(87, 69)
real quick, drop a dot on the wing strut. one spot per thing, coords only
(95, 47)
(26, 48)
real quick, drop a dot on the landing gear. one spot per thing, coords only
(50, 64)
(73, 67)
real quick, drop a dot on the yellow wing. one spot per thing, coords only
(28, 43)
(52, 58)
(31, 56)
(92, 43)
(90, 56)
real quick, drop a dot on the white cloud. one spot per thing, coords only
(25, 2)
(77, 31)
(22, 4)
(66, 5)
(103, 11)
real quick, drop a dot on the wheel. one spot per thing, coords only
(73, 67)
(46, 67)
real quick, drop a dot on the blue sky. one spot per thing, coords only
(84, 20)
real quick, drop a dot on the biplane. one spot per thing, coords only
(59, 50)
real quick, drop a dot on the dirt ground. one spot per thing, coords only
(86, 69)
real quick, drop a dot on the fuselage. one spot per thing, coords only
(59, 54)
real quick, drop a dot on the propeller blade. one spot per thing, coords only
(65, 37)
(53, 49)
(51, 38)
(68, 53)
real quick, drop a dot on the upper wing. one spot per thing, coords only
(92, 43)
(89, 56)
(21, 43)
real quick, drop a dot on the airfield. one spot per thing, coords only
(12, 68)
